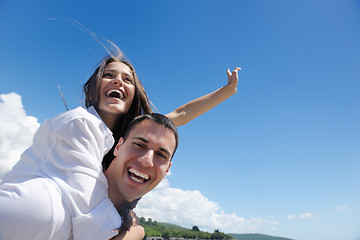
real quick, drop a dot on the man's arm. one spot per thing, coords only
(191, 110)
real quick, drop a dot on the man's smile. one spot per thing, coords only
(137, 176)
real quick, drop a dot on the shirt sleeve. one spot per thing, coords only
(74, 163)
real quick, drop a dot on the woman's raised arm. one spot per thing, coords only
(191, 110)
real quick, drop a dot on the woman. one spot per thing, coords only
(60, 176)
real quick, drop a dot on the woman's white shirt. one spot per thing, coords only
(67, 150)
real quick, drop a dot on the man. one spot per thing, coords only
(143, 158)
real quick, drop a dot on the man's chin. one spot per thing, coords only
(132, 197)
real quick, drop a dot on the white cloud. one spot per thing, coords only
(343, 208)
(190, 208)
(305, 215)
(17, 130)
(291, 217)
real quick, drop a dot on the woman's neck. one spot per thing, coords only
(110, 120)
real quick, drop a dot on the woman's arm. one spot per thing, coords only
(77, 143)
(191, 110)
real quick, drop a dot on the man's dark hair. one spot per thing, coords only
(157, 118)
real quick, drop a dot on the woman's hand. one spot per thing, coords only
(233, 77)
(136, 231)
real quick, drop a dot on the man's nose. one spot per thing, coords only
(147, 159)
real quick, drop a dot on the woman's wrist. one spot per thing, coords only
(231, 88)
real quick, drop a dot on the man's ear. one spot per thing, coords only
(167, 170)
(116, 150)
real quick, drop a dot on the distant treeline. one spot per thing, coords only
(167, 231)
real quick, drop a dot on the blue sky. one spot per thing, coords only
(281, 157)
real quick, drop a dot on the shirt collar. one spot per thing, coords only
(93, 111)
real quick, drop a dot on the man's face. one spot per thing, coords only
(141, 162)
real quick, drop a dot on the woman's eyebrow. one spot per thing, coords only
(115, 72)
(128, 75)
(110, 70)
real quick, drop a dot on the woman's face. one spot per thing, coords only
(117, 89)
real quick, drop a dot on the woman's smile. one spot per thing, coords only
(116, 92)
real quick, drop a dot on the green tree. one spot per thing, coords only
(216, 234)
(142, 220)
(166, 235)
(195, 228)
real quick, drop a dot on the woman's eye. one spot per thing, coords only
(128, 80)
(108, 75)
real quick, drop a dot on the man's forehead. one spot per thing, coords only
(152, 131)
(148, 126)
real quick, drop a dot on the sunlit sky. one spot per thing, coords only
(281, 157)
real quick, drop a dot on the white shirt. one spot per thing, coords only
(65, 158)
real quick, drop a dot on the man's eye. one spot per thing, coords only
(138, 144)
(160, 154)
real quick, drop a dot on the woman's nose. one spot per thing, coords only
(118, 80)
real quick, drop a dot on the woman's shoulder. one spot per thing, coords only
(78, 114)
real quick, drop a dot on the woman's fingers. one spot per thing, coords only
(237, 69)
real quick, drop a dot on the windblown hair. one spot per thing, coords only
(140, 104)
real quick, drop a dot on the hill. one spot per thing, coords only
(167, 230)
(255, 237)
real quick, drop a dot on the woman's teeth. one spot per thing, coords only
(116, 93)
